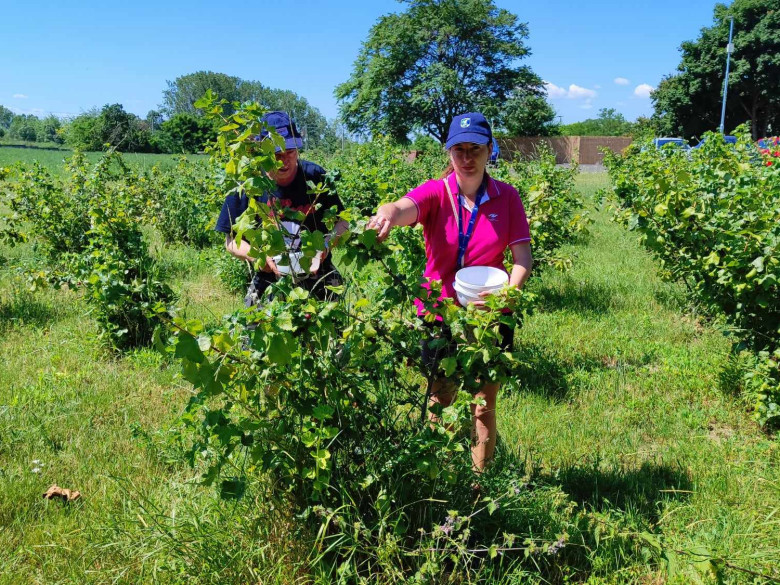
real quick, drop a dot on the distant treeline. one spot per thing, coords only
(177, 127)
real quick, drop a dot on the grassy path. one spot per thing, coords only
(618, 404)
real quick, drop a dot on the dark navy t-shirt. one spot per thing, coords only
(294, 196)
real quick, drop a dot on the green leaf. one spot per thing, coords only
(321, 456)
(323, 412)
(368, 238)
(187, 347)
(279, 348)
(449, 364)
(232, 489)
(204, 342)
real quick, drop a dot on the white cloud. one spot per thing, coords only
(553, 91)
(643, 90)
(622, 81)
(587, 105)
(576, 93)
(20, 96)
(40, 113)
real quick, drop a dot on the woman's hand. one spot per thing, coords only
(481, 304)
(399, 213)
(382, 222)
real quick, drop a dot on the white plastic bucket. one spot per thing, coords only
(294, 264)
(465, 297)
(481, 278)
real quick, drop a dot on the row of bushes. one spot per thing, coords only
(89, 226)
(712, 218)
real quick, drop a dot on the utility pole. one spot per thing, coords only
(729, 51)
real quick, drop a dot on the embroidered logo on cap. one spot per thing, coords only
(465, 122)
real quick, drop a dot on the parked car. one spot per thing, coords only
(677, 142)
(728, 139)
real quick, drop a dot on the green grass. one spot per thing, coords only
(52, 158)
(618, 403)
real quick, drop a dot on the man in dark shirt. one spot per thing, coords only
(292, 193)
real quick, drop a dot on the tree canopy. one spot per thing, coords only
(527, 114)
(439, 58)
(688, 103)
(609, 122)
(184, 91)
(110, 125)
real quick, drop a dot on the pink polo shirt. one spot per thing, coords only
(500, 222)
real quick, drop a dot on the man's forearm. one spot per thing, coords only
(239, 249)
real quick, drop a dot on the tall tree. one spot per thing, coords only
(24, 127)
(529, 115)
(181, 95)
(184, 91)
(609, 122)
(6, 116)
(439, 58)
(689, 103)
(110, 125)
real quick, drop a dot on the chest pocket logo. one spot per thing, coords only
(492, 216)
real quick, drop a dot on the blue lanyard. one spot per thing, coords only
(465, 238)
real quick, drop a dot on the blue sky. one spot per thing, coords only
(67, 57)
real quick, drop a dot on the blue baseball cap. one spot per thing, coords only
(471, 127)
(280, 121)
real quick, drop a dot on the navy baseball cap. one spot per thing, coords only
(471, 127)
(280, 121)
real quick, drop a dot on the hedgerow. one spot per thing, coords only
(88, 226)
(712, 218)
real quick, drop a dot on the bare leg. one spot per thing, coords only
(442, 392)
(484, 427)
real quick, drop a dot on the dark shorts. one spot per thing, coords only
(258, 292)
(431, 356)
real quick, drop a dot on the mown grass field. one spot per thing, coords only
(52, 158)
(619, 405)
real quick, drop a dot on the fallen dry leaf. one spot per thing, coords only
(56, 491)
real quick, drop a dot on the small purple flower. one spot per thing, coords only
(556, 547)
(449, 524)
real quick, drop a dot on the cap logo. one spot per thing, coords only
(465, 122)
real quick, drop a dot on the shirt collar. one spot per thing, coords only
(492, 186)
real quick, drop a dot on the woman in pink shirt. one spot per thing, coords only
(491, 220)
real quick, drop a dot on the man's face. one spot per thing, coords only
(284, 176)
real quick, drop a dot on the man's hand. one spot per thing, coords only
(270, 266)
(317, 260)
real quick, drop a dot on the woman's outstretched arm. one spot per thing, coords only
(399, 213)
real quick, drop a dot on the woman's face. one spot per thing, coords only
(469, 159)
